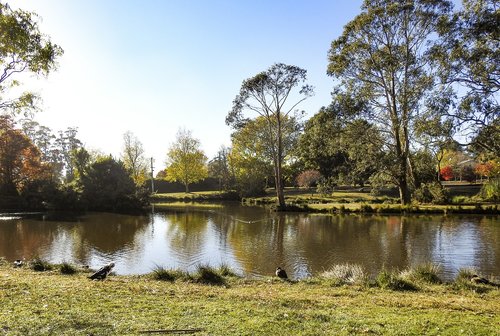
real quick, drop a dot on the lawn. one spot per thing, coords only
(49, 303)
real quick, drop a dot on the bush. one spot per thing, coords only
(160, 273)
(463, 280)
(40, 265)
(107, 186)
(379, 182)
(308, 178)
(391, 280)
(491, 190)
(427, 273)
(326, 186)
(460, 199)
(431, 193)
(465, 274)
(346, 274)
(366, 208)
(251, 185)
(67, 268)
(208, 275)
(446, 173)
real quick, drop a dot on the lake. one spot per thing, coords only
(254, 241)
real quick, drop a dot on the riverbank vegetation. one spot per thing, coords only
(212, 301)
(344, 200)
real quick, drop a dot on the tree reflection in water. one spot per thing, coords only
(254, 241)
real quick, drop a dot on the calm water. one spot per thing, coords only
(253, 241)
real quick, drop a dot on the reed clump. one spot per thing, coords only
(422, 273)
(40, 265)
(394, 281)
(346, 274)
(67, 269)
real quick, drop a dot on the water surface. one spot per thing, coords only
(253, 240)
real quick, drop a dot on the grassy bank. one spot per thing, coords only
(50, 303)
(194, 196)
(344, 200)
(353, 200)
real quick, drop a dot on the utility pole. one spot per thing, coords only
(152, 177)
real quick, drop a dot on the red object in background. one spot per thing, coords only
(446, 173)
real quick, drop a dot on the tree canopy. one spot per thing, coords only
(268, 94)
(133, 158)
(185, 160)
(107, 186)
(469, 61)
(23, 48)
(382, 58)
(20, 160)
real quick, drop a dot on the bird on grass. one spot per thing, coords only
(281, 273)
(18, 263)
(478, 280)
(102, 273)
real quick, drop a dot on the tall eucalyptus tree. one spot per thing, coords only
(382, 58)
(268, 95)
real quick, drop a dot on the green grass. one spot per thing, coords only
(305, 197)
(193, 196)
(179, 204)
(48, 303)
(341, 201)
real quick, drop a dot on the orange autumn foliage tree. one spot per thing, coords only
(20, 160)
(446, 173)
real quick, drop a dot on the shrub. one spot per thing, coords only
(460, 199)
(160, 273)
(462, 281)
(346, 274)
(465, 274)
(67, 268)
(484, 169)
(431, 193)
(491, 190)
(379, 182)
(427, 273)
(391, 280)
(326, 186)
(208, 275)
(308, 178)
(446, 173)
(366, 208)
(40, 265)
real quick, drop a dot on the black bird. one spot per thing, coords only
(478, 280)
(18, 263)
(102, 273)
(280, 273)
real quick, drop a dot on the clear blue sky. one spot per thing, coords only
(152, 67)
